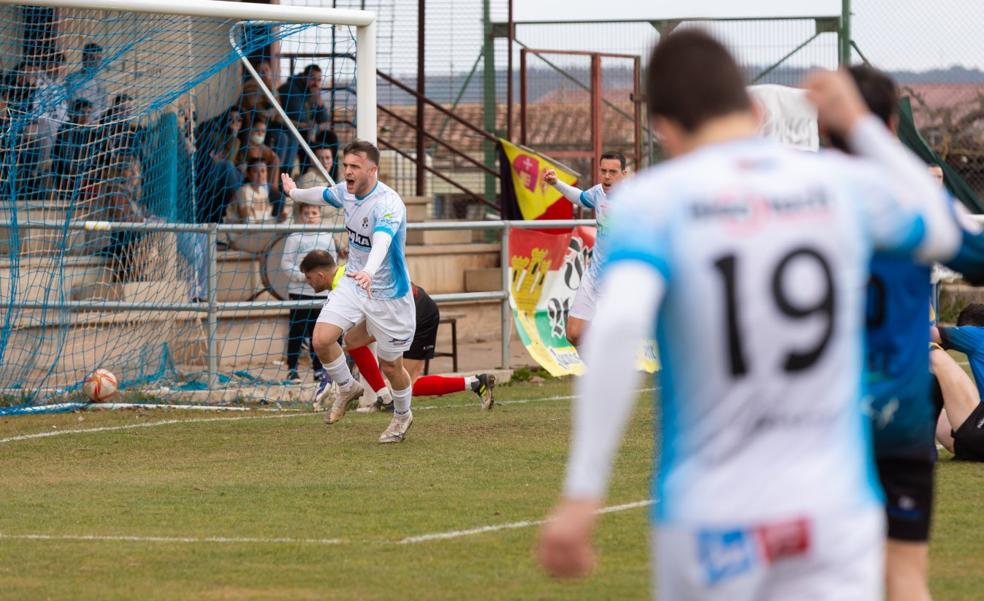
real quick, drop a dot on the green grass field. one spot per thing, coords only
(284, 507)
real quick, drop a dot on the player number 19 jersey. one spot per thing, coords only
(765, 252)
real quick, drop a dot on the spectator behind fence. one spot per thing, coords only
(119, 200)
(20, 91)
(302, 321)
(254, 148)
(252, 101)
(216, 176)
(118, 134)
(72, 146)
(252, 203)
(52, 100)
(89, 82)
(301, 98)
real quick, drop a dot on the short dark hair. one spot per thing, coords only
(972, 315)
(92, 48)
(316, 259)
(79, 105)
(692, 78)
(312, 67)
(878, 90)
(613, 155)
(367, 148)
(880, 94)
(255, 162)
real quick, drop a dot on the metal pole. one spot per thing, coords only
(506, 312)
(509, 72)
(488, 97)
(365, 74)
(596, 135)
(522, 96)
(845, 34)
(637, 113)
(213, 324)
(421, 77)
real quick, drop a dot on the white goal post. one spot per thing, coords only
(364, 22)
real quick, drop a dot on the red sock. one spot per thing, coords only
(437, 385)
(368, 367)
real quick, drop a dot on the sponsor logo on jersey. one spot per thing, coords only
(725, 554)
(784, 540)
(359, 239)
(754, 209)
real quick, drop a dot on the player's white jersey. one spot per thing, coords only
(765, 254)
(380, 210)
(596, 199)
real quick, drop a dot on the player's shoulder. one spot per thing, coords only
(388, 196)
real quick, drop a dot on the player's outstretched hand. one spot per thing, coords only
(287, 184)
(838, 101)
(550, 176)
(364, 280)
(564, 548)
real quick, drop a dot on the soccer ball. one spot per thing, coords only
(100, 386)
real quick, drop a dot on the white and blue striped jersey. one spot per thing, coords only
(593, 198)
(381, 209)
(763, 253)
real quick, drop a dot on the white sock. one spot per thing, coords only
(469, 380)
(338, 371)
(401, 400)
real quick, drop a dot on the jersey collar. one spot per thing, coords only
(357, 197)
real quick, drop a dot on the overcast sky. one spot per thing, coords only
(893, 34)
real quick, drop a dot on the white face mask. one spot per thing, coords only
(257, 138)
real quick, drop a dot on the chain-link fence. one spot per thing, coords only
(935, 53)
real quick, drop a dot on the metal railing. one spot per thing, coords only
(213, 308)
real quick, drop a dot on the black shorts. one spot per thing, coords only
(425, 336)
(908, 485)
(968, 439)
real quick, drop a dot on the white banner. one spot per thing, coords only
(788, 117)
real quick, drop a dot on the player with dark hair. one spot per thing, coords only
(611, 169)
(961, 425)
(322, 274)
(374, 300)
(748, 260)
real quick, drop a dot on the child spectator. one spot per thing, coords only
(254, 148)
(252, 203)
(302, 321)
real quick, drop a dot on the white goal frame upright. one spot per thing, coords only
(364, 22)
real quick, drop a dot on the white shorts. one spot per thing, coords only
(391, 322)
(584, 299)
(805, 560)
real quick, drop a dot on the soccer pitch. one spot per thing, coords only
(167, 505)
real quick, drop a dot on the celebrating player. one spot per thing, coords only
(322, 274)
(749, 261)
(375, 299)
(611, 167)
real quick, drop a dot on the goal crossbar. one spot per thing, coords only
(364, 21)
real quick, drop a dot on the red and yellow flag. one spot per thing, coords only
(524, 193)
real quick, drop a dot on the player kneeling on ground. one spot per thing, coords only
(961, 425)
(323, 275)
(374, 298)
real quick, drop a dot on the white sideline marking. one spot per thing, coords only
(165, 422)
(168, 422)
(423, 538)
(171, 539)
(300, 541)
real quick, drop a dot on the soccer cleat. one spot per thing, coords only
(384, 400)
(343, 397)
(484, 387)
(318, 374)
(397, 429)
(322, 394)
(292, 375)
